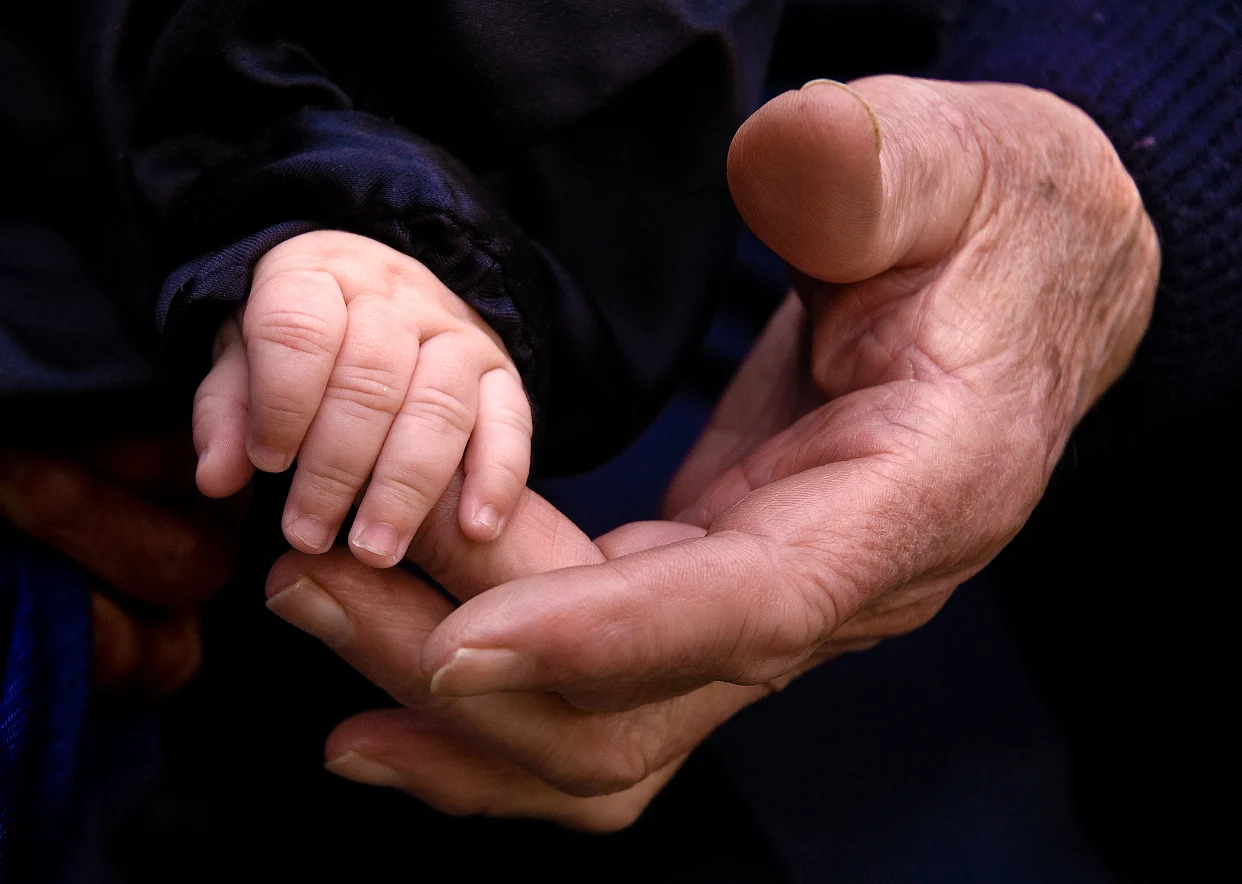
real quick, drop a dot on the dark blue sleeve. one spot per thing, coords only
(558, 166)
(1164, 80)
(60, 333)
(347, 170)
(45, 655)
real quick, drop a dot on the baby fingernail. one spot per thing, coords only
(311, 532)
(380, 539)
(361, 769)
(489, 518)
(472, 671)
(268, 459)
(311, 609)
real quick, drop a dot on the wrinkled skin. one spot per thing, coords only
(354, 359)
(973, 267)
(966, 293)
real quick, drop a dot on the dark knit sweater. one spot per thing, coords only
(1164, 80)
(1123, 588)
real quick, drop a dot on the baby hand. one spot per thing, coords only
(356, 360)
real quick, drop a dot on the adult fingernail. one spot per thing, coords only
(311, 609)
(875, 121)
(361, 769)
(268, 459)
(489, 518)
(472, 671)
(380, 539)
(312, 532)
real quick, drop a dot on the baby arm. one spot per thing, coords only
(354, 359)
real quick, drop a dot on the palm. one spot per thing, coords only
(960, 317)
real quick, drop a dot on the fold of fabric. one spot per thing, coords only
(45, 628)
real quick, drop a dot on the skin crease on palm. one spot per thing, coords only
(965, 293)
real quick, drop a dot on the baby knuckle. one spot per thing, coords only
(439, 410)
(512, 416)
(296, 331)
(408, 488)
(209, 402)
(329, 481)
(367, 390)
(502, 474)
(276, 411)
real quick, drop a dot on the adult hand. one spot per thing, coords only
(128, 514)
(991, 273)
(977, 268)
(528, 754)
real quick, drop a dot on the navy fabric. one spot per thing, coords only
(1128, 552)
(561, 166)
(173, 142)
(61, 332)
(596, 257)
(45, 633)
(932, 758)
(1164, 81)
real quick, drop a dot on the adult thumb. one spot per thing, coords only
(845, 182)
